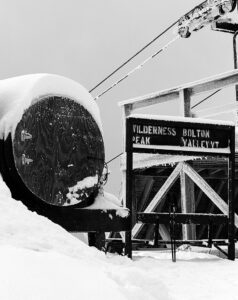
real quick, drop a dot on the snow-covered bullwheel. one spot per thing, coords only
(51, 140)
(58, 151)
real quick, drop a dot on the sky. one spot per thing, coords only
(86, 40)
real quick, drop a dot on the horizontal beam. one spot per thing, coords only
(201, 242)
(217, 110)
(201, 86)
(150, 99)
(214, 83)
(180, 218)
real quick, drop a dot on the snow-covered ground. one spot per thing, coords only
(40, 260)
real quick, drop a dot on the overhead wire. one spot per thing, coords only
(137, 68)
(203, 100)
(140, 51)
(133, 56)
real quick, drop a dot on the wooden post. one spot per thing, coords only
(235, 67)
(126, 112)
(186, 184)
(187, 204)
(185, 103)
(129, 185)
(231, 190)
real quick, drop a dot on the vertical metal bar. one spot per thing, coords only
(231, 194)
(129, 185)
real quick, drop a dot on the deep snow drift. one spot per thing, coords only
(40, 260)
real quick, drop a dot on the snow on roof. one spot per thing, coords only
(40, 260)
(144, 160)
(173, 92)
(18, 93)
(182, 119)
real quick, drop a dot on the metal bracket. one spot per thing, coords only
(25, 135)
(25, 160)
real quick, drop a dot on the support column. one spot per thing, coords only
(235, 67)
(231, 193)
(187, 205)
(186, 184)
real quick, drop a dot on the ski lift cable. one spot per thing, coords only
(203, 100)
(108, 162)
(137, 68)
(136, 54)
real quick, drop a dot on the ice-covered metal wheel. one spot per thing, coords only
(227, 6)
(58, 151)
(184, 32)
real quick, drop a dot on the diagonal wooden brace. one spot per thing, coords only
(206, 188)
(160, 194)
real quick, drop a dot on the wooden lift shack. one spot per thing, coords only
(213, 142)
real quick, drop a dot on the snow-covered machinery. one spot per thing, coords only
(52, 153)
(204, 14)
(52, 149)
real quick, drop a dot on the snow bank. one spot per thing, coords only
(40, 260)
(106, 201)
(18, 93)
(20, 227)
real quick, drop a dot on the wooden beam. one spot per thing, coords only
(180, 218)
(203, 185)
(211, 206)
(186, 185)
(219, 231)
(205, 85)
(148, 100)
(125, 112)
(218, 110)
(185, 103)
(215, 172)
(159, 196)
(214, 83)
(148, 187)
(187, 204)
(198, 198)
(164, 233)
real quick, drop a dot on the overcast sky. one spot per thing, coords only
(86, 40)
